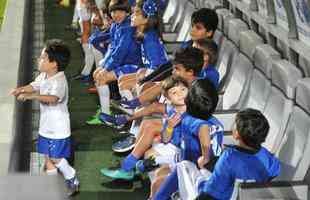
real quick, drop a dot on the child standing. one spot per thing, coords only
(50, 88)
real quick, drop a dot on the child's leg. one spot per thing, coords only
(160, 176)
(149, 131)
(104, 92)
(49, 166)
(65, 168)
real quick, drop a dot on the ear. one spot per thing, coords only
(210, 34)
(236, 135)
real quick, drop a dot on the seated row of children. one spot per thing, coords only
(170, 129)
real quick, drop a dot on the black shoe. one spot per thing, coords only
(146, 165)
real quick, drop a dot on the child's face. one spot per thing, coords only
(137, 18)
(44, 64)
(118, 16)
(198, 32)
(177, 95)
(205, 54)
(180, 71)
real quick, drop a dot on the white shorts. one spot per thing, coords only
(168, 150)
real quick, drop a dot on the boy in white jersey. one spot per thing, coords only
(50, 88)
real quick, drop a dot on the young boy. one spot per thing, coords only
(252, 162)
(175, 90)
(50, 88)
(201, 133)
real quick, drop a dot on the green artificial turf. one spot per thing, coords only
(92, 144)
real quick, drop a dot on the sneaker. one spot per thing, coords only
(124, 145)
(86, 78)
(73, 185)
(117, 174)
(146, 165)
(120, 108)
(94, 121)
(106, 119)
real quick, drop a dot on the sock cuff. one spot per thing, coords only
(52, 172)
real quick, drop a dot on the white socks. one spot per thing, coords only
(104, 97)
(89, 59)
(65, 169)
(52, 172)
(135, 127)
(98, 55)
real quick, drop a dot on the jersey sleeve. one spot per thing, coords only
(58, 89)
(36, 83)
(221, 182)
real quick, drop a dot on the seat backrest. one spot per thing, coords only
(249, 40)
(295, 148)
(222, 15)
(218, 38)
(235, 27)
(177, 19)
(264, 56)
(258, 93)
(280, 104)
(170, 10)
(227, 51)
(186, 24)
(242, 69)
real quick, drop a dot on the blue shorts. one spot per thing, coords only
(54, 148)
(125, 69)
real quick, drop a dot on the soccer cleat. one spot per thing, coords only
(94, 121)
(118, 174)
(146, 165)
(106, 119)
(73, 185)
(124, 145)
(132, 104)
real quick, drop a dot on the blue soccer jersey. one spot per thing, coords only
(211, 74)
(153, 51)
(239, 165)
(190, 143)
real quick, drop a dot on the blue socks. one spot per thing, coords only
(129, 163)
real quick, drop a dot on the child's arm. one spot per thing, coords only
(48, 99)
(205, 142)
(148, 110)
(23, 89)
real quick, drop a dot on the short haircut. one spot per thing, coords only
(57, 51)
(119, 5)
(209, 47)
(202, 99)
(207, 17)
(191, 58)
(172, 82)
(252, 126)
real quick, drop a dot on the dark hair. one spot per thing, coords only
(153, 22)
(119, 5)
(57, 51)
(252, 126)
(207, 17)
(209, 47)
(202, 99)
(191, 58)
(172, 82)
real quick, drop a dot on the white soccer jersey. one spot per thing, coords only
(54, 118)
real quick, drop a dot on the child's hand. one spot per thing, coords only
(174, 120)
(25, 96)
(16, 91)
(202, 161)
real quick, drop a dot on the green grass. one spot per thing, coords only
(3, 4)
(92, 144)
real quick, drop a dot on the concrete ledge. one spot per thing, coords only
(12, 51)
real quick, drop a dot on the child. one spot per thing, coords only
(201, 133)
(252, 162)
(204, 24)
(175, 90)
(210, 51)
(51, 90)
(123, 55)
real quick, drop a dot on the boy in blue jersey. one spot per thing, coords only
(175, 90)
(251, 161)
(202, 134)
